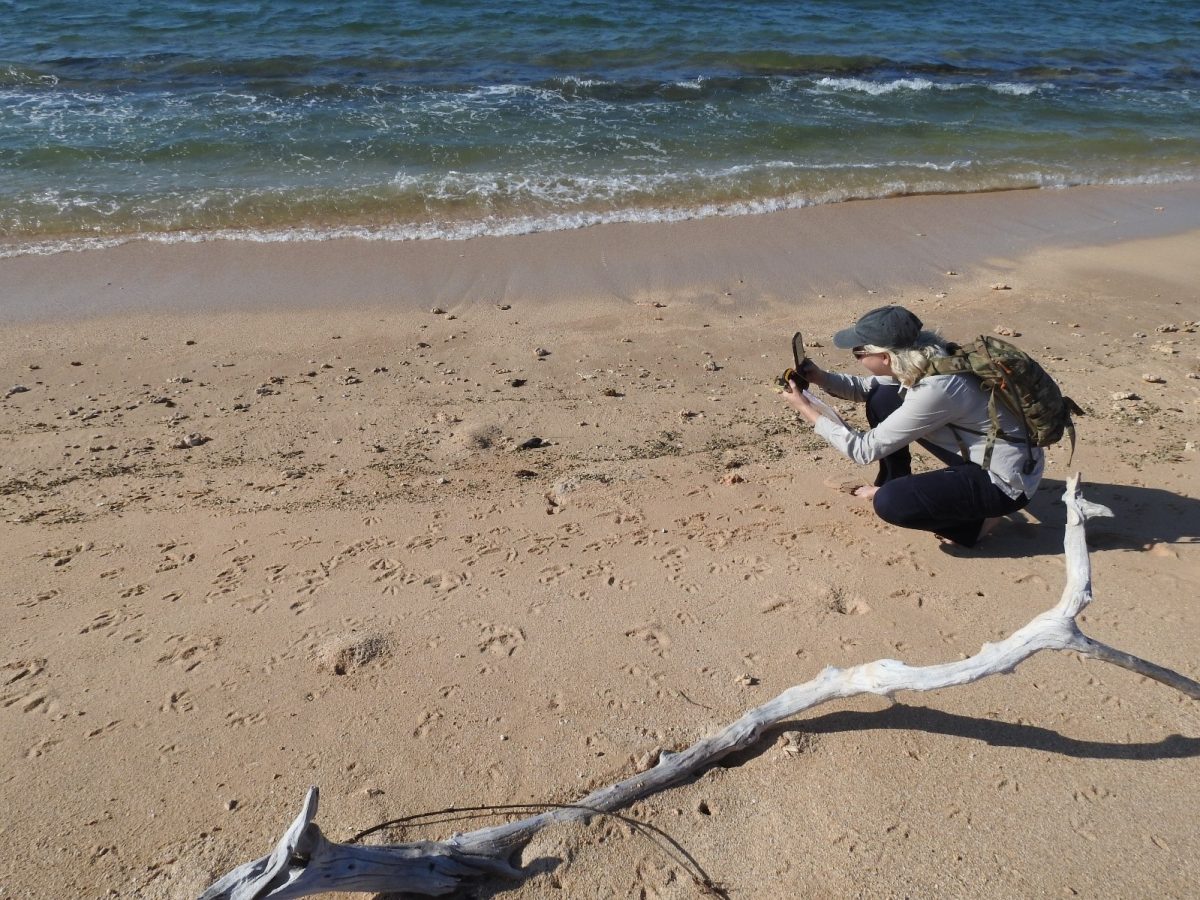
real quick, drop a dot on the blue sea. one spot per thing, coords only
(295, 120)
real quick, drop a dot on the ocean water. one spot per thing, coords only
(396, 119)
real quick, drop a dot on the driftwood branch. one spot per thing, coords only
(304, 862)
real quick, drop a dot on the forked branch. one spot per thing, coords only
(304, 862)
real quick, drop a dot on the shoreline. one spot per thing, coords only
(913, 241)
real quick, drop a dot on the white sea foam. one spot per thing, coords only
(564, 221)
(878, 88)
(875, 88)
(1016, 90)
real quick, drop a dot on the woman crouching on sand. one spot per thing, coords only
(946, 414)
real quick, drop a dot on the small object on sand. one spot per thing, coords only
(195, 439)
(1150, 378)
(525, 473)
(541, 352)
(516, 382)
(1166, 329)
(951, 272)
(611, 392)
(732, 478)
(503, 306)
(438, 311)
(1005, 331)
(349, 379)
(747, 681)
(1125, 395)
(532, 443)
(1001, 286)
(644, 762)
(711, 366)
(16, 389)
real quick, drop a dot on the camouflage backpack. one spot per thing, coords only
(1020, 383)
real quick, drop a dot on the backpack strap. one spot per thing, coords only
(993, 431)
(962, 445)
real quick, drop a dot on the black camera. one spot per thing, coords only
(793, 376)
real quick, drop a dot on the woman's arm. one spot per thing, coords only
(925, 409)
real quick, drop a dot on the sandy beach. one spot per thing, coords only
(452, 523)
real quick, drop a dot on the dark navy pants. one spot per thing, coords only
(951, 502)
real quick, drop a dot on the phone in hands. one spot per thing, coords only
(792, 376)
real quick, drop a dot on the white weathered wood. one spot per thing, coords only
(305, 862)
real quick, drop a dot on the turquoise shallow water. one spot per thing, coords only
(290, 119)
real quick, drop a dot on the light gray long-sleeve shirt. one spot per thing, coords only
(927, 411)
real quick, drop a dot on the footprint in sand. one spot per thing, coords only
(428, 722)
(755, 568)
(178, 702)
(299, 607)
(230, 579)
(102, 730)
(41, 597)
(42, 747)
(443, 581)
(351, 653)
(777, 604)
(498, 640)
(64, 555)
(552, 574)
(173, 556)
(254, 602)
(188, 651)
(654, 636)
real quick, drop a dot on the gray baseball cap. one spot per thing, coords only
(888, 326)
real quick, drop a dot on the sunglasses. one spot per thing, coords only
(860, 352)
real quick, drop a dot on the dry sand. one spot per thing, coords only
(359, 580)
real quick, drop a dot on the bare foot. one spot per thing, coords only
(988, 525)
(984, 530)
(853, 488)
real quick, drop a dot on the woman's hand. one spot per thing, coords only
(811, 372)
(796, 400)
